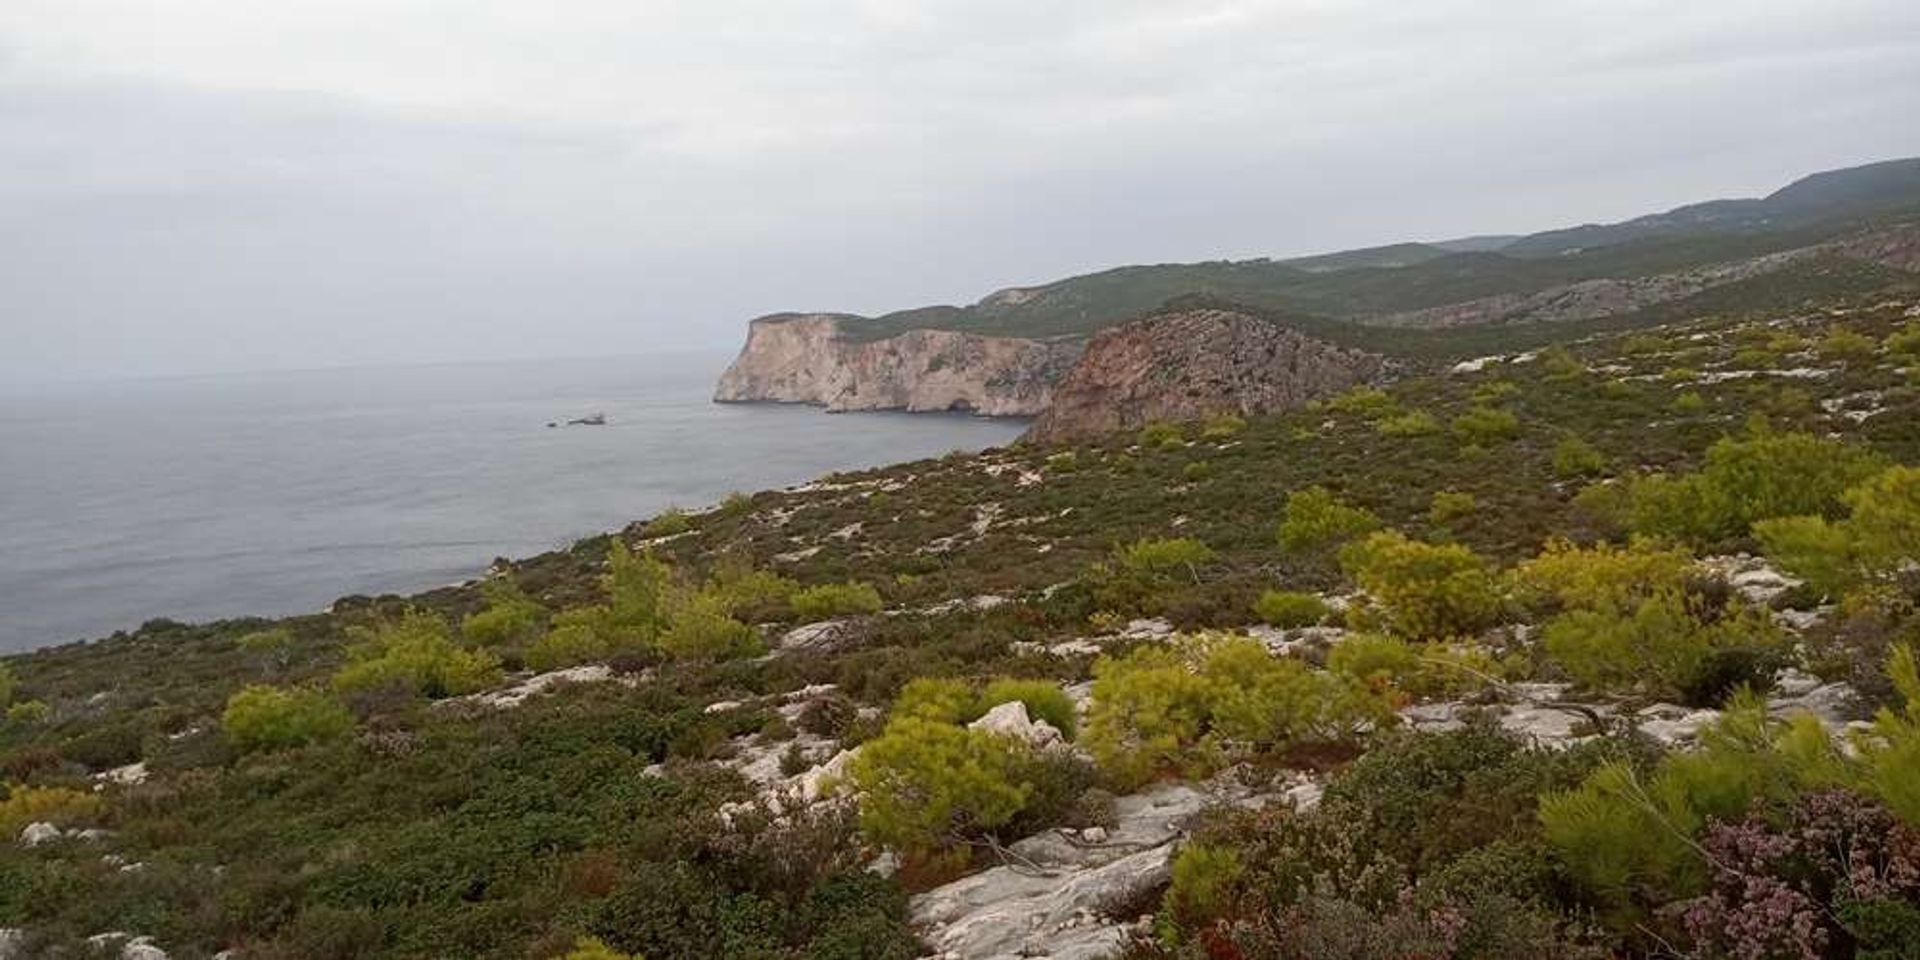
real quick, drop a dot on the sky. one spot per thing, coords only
(191, 186)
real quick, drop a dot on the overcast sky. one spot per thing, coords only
(211, 185)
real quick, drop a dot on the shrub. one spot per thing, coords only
(1485, 426)
(1369, 402)
(701, 629)
(1160, 557)
(1559, 363)
(744, 591)
(1288, 609)
(576, 637)
(269, 718)
(1785, 890)
(60, 806)
(1044, 700)
(1374, 660)
(1891, 757)
(1574, 457)
(637, 588)
(1626, 833)
(7, 684)
(1203, 878)
(1612, 649)
(1690, 403)
(594, 948)
(1450, 505)
(1184, 707)
(828, 600)
(1417, 423)
(1761, 476)
(28, 712)
(273, 640)
(1317, 520)
(1161, 435)
(937, 699)
(1222, 427)
(1846, 346)
(925, 786)
(1428, 590)
(1879, 537)
(510, 616)
(671, 522)
(1602, 576)
(415, 653)
(1905, 342)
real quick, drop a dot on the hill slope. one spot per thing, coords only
(1010, 704)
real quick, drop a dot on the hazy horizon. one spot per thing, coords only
(221, 187)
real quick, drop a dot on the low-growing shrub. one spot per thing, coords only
(1746, 480)
(1162, 435)
(1574, 457)
(60, 806)
(1288, 609)
(594, 948)
(828, 600)
(1222, 427)
(415, 653)
(671, 522)
(1448, 506)
(1874, 543)
(1317, 520)
(701, 629)
(1416, 423)
(270, 718)
(1189, 706)
(1486, 426)
(1427, 591)
(926, 786)
(510, 616)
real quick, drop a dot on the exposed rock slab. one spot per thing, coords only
(809, 358)
(1195, 364)
(1060, 903)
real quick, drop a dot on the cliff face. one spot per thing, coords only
(1196, 364)
(806, 359)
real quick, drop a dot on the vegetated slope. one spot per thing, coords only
(1362, 284)
(411, 784)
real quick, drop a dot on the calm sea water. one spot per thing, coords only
(277, 493)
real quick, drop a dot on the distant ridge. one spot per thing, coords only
(1393, 279)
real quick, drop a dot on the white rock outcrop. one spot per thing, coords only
(1058, 898)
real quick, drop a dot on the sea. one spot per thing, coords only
(198, 498)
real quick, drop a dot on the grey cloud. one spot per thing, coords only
(621, 177)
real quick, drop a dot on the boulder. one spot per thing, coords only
(35, 834)
(1010, 720)
(1067, 896)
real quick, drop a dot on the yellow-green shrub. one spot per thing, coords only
(1427, 591)
(270, 718)
(509, 617)
(1288, 609)
(1317, 520)
(827, 600)
(1484, 426)
(1182, 707)
(416, 653)
(60, 806)
(593, 948)
(926, 785)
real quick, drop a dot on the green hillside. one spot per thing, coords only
(1544, 548)
(1362, 283)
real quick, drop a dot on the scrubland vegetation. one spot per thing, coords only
(383, 780)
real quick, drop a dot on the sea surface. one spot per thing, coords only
(267, 494)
